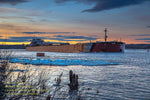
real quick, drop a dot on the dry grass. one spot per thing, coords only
(27, 82)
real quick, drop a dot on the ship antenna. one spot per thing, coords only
(105, 34)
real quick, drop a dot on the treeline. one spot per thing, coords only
(137, 46)
(12, 46)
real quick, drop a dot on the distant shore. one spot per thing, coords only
(128, 46)
(12, 46)
(137, 46)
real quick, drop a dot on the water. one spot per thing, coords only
(130, 80)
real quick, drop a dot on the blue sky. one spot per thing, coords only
(126, 19)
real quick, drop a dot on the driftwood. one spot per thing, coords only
(73, 85)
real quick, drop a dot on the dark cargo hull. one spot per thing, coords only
(108, 47)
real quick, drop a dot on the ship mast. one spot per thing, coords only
(105, 34)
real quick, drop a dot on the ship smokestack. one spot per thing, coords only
(105, 34)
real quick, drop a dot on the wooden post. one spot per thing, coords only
(48, 97)
(73, 81)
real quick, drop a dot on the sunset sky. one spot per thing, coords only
(74, 20)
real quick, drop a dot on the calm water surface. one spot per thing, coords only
(130, 80)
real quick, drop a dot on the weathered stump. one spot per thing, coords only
(73, 85)
(48, 97)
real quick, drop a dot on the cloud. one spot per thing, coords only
(27, 39)
(147, 41)
(143, 39)
(75, 37)
(57, 38)
(12, 2)
(14, 40)
(9, 26)
(19, 39)
(13, 17)
(144, 18)
(17, 11)
(100, 5)
(8, 10)
(141, 35)
(49, 32)
(148, 26)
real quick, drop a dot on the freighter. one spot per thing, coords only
(106, 46)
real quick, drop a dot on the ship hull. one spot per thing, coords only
(81, 47)
(108, 47)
